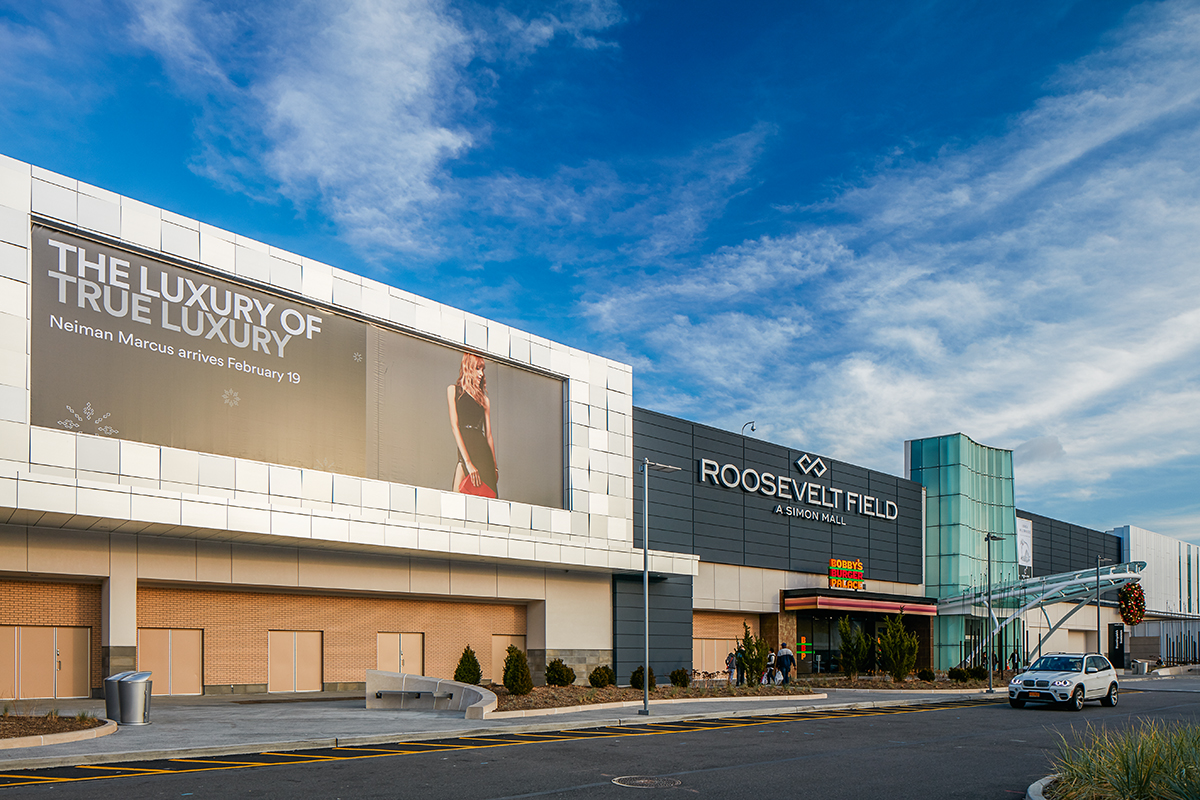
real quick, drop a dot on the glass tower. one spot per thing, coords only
(968, 495)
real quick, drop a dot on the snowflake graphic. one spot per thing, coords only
(88, 416)
(231, 398)
(358, 357)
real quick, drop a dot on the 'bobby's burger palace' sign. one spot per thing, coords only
(819, 502)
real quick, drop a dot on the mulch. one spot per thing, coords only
(564, 696)
(13, 725)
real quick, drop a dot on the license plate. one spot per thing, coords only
(1035, 694)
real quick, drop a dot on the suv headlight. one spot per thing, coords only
(1016, 681)
(1062, 682)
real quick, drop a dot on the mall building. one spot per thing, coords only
(247, 471)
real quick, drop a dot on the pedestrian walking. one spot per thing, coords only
(740, 660)
(784, 662)
(730, 666)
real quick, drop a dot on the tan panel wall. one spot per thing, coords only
(35, 660)
(281, 661)
(500, 645)
(8, 661)
(235, 626)
(69, 553)
(387, 652)
(309, 661)
(73, 658)
(721, 625)
(708, 655)
(578, 611)
(56, 604)
(154, 655)
(412, 653)
(187, 661)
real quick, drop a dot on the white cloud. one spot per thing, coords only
(354, 109)
(1039, 286)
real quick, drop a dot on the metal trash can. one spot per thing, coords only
(112, 696)
(134, 691)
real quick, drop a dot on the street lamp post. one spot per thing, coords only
(648, 465)
(991, 537)
(1099, 641)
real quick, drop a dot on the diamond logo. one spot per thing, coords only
(811, 466)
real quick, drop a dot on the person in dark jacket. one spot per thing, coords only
(784, 662)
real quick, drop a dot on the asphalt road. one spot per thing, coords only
(976, 751)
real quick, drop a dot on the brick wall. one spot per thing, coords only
(235, 628)
(55, 604)
(721, 625)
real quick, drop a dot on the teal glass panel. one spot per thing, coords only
(929, 453)
(1006, 494)
(954, 449)
(932, 518)
(948, 510)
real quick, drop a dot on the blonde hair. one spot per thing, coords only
(469, 379)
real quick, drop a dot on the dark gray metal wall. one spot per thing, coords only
(670, 625)
(1062, 547)
(729, 526)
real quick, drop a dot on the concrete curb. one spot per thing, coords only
(542, 712)
(560, 723)
(1036, 791)
(18, 742)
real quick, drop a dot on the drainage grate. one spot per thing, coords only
(645, 782)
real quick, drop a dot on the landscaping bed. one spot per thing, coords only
(564, 696)
(14, 725)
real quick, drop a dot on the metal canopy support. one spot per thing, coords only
(1065, 587)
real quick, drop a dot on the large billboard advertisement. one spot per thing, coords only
(133, 347)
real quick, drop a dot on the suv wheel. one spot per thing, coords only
(1076, 701)
(1110, 699)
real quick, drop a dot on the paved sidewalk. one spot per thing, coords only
(209, 726)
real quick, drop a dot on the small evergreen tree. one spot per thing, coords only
(559, 674)
(755, 650)
(681, 678)
(516, 672)
(855, 650)
(468, 669)
(635, 680)
(602, 676)
(897, 648)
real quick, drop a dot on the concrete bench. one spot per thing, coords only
(400, 691)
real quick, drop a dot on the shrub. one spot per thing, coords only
(681, 678)
(516, 672)
(926, 674)
(635, 680)
(957, 674)
(559, 674)
(468, 669)
(754, 655)
(978, 673)
(602, 676)
(856, 648)
(897, 648)
(1153, 760)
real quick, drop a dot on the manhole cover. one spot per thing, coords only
(645, 782)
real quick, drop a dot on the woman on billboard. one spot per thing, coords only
(471, 422)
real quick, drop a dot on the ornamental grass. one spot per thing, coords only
(1153, 761)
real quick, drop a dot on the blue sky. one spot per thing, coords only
(853, 222)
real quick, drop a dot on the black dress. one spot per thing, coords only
(472, 426)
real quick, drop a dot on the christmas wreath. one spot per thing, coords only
(1131, 601)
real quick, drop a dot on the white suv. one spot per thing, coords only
(1067, 678)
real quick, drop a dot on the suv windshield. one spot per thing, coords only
(1057, 664)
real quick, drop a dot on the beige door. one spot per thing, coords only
(175, 656)
(309, 661)
(44, 662)
(36, 662)
(8, 662)
(412, 653)
(74, 646)
(294, 661)
(387, 651)
(400, 652)
(500, 643)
